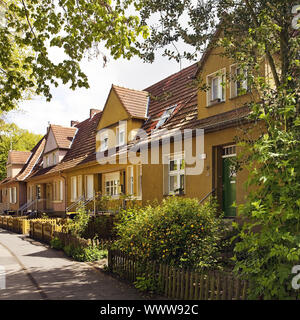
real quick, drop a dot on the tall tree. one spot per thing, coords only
(252, 31)
(14, 138)
(28, 28)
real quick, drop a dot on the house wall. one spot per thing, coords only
(112, 114)
(46, 193)
(213, 63)
(20, 196)
(198, 186)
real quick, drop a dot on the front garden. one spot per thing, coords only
(179, 248)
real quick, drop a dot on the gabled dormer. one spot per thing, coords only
(16, 161)
(123, 115)
(58, 141)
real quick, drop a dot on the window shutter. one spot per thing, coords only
(61, 190)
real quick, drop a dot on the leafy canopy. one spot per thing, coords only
(14, 138)
(28, 28)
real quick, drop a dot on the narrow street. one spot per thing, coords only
(36, 272)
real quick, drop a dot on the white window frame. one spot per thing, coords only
(104, 141)
(87, 177)
(176, 173)
(121, 129)
(234, 91)
(54, 158)
(61, 190)
(130, 180)
(220, 77)
(165, 116)
(112, 184)
(14, 194)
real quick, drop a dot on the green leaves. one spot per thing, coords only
(178, 232)
(76, 27)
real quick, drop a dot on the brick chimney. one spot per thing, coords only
(73, 123)
(93, 112)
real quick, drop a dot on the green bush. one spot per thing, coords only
(78, 225)
(89, 253)
(55, 243)
(178, 232)
(68, 249)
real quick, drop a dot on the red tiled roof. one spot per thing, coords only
(33, 160)
(63, 135)
(83, 148)
(135, 102)
(179, 89)
(34, 156)
(18, 157)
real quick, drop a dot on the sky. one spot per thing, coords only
(67, 105)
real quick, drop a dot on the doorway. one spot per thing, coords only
(229, 180)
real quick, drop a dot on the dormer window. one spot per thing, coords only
(166, 115)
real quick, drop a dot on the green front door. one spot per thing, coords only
(229, 187)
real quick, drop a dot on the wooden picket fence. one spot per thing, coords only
(15, 224)
(69, 239)
(180, 284)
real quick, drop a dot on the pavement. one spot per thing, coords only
(34, 271)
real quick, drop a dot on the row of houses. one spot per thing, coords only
(91, 157)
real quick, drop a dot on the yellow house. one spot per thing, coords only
(169, 139)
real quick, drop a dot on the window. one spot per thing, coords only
(73, 188)
(239, 82)
(104, 142)
(89, 186)
(61, 190)
(58, 190)
(120, 135)
(38, 191)
(166, 115)
(130, 180)
(13, 195)
(112, 182)
(229, 151)
(176, 174)
(54, 158)
(216, 83)
(139, 181)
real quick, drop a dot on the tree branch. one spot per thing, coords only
(27, 18)
(268, 54)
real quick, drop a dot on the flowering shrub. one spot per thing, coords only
(179, 232)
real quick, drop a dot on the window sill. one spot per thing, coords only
(57, 201)
(215, 103)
